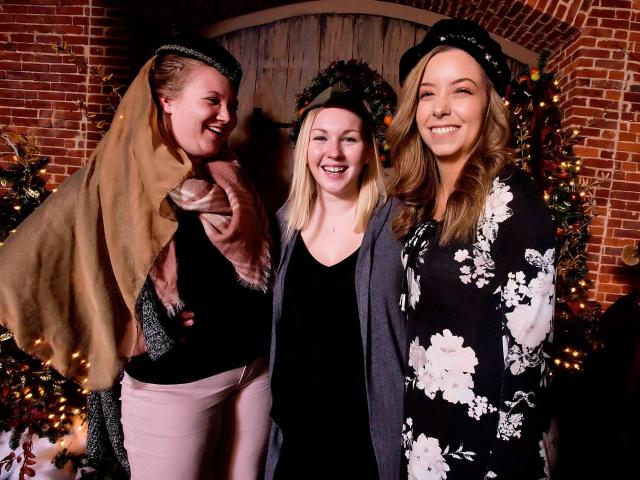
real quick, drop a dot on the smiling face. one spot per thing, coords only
(452, 104)
(337, 152)
(200, 117)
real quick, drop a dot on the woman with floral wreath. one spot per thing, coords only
(338, 333)
(479, 250)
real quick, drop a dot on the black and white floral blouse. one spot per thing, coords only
(479, 316)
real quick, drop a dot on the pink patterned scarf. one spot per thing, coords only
(233, 219)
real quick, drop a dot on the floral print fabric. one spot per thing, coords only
(479, 317)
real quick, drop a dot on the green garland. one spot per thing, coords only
(356, 75)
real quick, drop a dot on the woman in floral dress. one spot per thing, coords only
(479, 266)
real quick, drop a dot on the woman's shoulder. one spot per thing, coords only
(524, 199)
(520, 183)
(382, 214)
(281, 216)
(379, 227)
(284, 235)
(519, 190)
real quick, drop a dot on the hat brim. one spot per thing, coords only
(413, 55)
(409, 60)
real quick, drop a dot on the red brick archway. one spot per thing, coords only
(535, 24)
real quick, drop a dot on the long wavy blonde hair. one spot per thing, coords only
(417, 181)
(303, 190)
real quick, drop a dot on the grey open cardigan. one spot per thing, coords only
(382, 325)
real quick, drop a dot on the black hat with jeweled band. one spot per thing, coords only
(468, 36)
(206, 50)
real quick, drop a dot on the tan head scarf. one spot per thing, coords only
(70, 275)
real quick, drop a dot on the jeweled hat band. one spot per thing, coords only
(207, 51)
(468, 36)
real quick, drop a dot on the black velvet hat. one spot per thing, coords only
(468, 36)
(207, 51)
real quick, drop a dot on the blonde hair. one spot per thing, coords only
(417, 181)
(303, 191)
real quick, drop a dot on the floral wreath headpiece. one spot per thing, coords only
(377, 94)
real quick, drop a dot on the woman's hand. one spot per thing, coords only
(186, 319)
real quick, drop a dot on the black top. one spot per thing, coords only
(232, 322)
(479, 315)
(318, 385)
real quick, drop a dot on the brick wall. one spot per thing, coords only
(600, 77)
(40, 89)
(595, 46)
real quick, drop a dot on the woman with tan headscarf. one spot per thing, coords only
(160, 221)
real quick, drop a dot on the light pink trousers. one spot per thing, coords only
(212, 429)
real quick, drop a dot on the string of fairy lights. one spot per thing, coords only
(42, 402)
